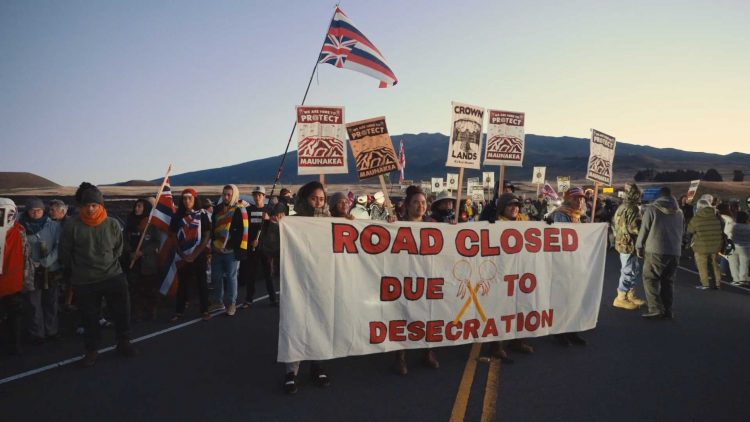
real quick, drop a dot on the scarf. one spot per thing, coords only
(94, 221)
(189, 231)
(33, 226)
(574, 214)
(224, 218)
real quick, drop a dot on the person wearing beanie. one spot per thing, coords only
(190, 233)
(627, 223)
(258, 261)
(311, 202)
(143, 277)
(707, 228)
(14, 265)
(659, 243)
(91, 247)
(43, 235)
(339, 206)
(230, 239)
(572, 210)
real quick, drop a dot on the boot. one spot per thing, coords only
(401, 367)
(635, 299)
(497, 352)
(431, 360)
(621, 301)
(125, 348)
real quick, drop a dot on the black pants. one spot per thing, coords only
(192, 273)
(12, 306)
(89, 298)
(659, 272)
(256, 262)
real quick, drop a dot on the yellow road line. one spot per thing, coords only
(464, 389)
(489, 406)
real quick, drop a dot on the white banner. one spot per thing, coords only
(321, 140)
(563, 183)
(437, 184)
(359, 287)
(601, 157)
(505, 138)
(537, 177)
(465, 146)
(488, 179)
(451, 181)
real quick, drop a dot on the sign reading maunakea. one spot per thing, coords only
(601, 157)
(465, 146)
(321, 144)
(372, 147)
(505, 138)
(359, 287)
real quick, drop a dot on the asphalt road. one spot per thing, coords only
(694, 368)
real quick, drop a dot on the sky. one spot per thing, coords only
(109, 91)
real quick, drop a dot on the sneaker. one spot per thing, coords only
(175, 318)
(737, 283)
(80, 330)
(231, 310)
(205, 316)
(245, 305)
(216, 307)
(701, 287)
(290, 383)
(88, 360)
(104, 323)
(319, 377)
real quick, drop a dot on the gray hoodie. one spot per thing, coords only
(661, 228)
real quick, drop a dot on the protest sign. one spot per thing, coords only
(488, 179)
(692, 190)
(563, 183)
(477, 193)
(451, 181)
(466, 133)
(505, 138)
(601, 157)
(537, 177)
(437, 184)
(321, 147)
(368, 287)
(372, 147)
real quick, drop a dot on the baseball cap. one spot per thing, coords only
(259, 189)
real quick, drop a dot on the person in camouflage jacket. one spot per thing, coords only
(627, 223)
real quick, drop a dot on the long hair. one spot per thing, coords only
(301, 206)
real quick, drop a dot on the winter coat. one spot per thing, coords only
(741, 235)
(91, 253)
(706, 228)
(661, 228)
(15, 263)
(627, 223)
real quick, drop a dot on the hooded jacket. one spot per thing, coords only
(627, 222)
(661, 228)
(707, 231)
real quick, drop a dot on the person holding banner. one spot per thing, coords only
(311, 202)
(230, 235)
(257, 261)
(572, 210)
(190, 230)
(143, 277)
(378, 211)
(91, 246)
(415, 205)
(340, 206)
(627, 223)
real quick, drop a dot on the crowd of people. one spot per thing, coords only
(111, 274)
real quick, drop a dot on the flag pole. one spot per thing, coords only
(148, 223)
(304, 97)
(593, 204)
(457, 210)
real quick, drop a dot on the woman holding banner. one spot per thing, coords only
(143, 277)
(415, 206)
(311, 202)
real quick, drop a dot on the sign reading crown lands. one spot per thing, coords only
(692, 190)
(465, 145)
(601, 157)
(505, 138)
(321, 147)
(372, 147)
(563, 183)
(359, 287)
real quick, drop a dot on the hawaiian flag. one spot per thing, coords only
(549, 192)
(401, 162)
(161, 215)
(347, 48)
(188, 238)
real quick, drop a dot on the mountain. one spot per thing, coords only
(426, 154)
(17, 179)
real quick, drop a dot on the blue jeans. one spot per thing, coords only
(224, 269)
(630, 271)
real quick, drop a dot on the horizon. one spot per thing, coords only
(140, 85)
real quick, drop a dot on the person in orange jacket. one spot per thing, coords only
(13, 271)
